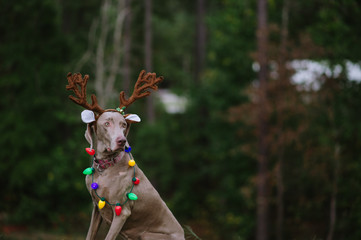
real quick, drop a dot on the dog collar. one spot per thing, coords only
(102, 164)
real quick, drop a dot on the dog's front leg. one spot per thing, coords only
(117, 224)
(94, 223)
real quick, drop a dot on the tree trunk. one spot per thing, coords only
(284, 39)
(282, 79)
(262, 178)
(116, 53)
(200, 40)
(333, 205)
(127, 38)
(107, 59)
(105, 78)
(148, 56)
(100, 52)
(280, 202)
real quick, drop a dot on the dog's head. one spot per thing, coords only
(109, 130)
(109, 127)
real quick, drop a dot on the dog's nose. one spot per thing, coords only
(120, 141)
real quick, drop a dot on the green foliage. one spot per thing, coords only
(335, 28)
(202, 161)
(40, 156)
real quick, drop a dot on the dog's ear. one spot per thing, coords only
(132, 118)
(87, 116)
(89, 134)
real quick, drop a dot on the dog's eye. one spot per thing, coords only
(107, 124)
(124, 125)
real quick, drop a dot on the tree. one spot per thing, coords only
(262, 176)
(204, 163)
(148, 54)
(200, 52)
(127, 46)
(37, 126)
(283, 76)
(100, 55)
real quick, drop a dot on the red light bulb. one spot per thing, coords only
(118, 209)
(135, 180)
(90, 151)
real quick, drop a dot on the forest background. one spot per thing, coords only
(254, 155)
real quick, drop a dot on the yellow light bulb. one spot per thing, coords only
(131, 162)
(101, 203)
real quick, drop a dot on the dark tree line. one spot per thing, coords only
(254, 156)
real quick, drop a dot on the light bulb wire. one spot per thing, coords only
(131, 190)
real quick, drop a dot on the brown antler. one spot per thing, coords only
(75, 81)
(141, 88)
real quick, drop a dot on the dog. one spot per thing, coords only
(122, 195)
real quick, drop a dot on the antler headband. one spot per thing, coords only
(145, 82)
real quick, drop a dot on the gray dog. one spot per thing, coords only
(121, 193)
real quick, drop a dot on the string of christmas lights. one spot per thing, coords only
(129, 195)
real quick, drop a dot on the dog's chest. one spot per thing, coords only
(113, 184)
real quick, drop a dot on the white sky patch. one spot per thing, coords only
(307, 76)
(172, 102)
(308, 72)
(353, 71)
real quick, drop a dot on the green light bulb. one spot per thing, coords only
(132, 196)
(88, 171)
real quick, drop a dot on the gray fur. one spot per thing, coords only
(148, 218)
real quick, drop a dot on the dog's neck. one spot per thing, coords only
(102, 162)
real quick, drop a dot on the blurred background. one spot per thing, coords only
(254, 134)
